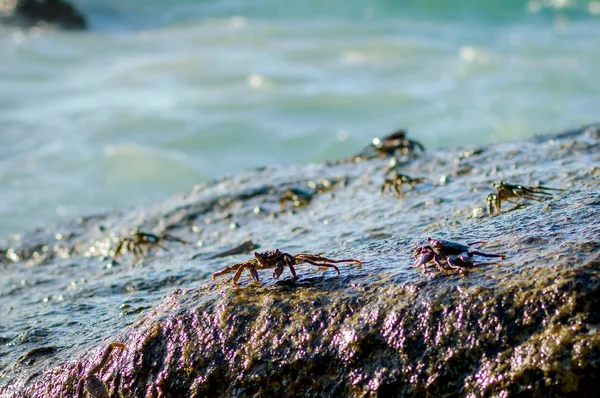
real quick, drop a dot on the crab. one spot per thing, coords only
(396, 181)
(505, 191)
(449, 255)
(397, 142)
(277, 261)
(93, 385)
(139, 239)
(298, 197)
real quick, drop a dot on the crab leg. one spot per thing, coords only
(548, 189)
(517, 205)
(227, 270)
(118, 251)
(539, 196)
(437, 259)
(483, 254)
(316, 257)
(239, 268)
(479, 242)
(233, 267)
(320, 261)
(321, 265)
(497, 201)
(137, 250)
(237, 275)
(539, 190)
(253, 272)
(173, 238)
(458, 266)
(506, 197)
(454, 265)
(293, 271)
(492, 203)
(161, 246)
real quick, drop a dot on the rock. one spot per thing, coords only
(47, 12)
(525, 326)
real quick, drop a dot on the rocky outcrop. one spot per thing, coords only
(42, 12)
(524, 326)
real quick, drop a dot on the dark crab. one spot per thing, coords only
(397, 142)
(139, 243)
(277, 261)
(448, 255)
(297, 196)
(505, 191)
(300, 197)
(396, 181)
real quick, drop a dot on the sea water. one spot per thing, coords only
(160, 95)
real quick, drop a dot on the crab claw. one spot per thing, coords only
(277, 272)
(254, 274)
(423, 255)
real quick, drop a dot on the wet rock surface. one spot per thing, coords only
(29, 13)
(526, 326)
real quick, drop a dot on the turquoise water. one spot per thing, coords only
(159, 96)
